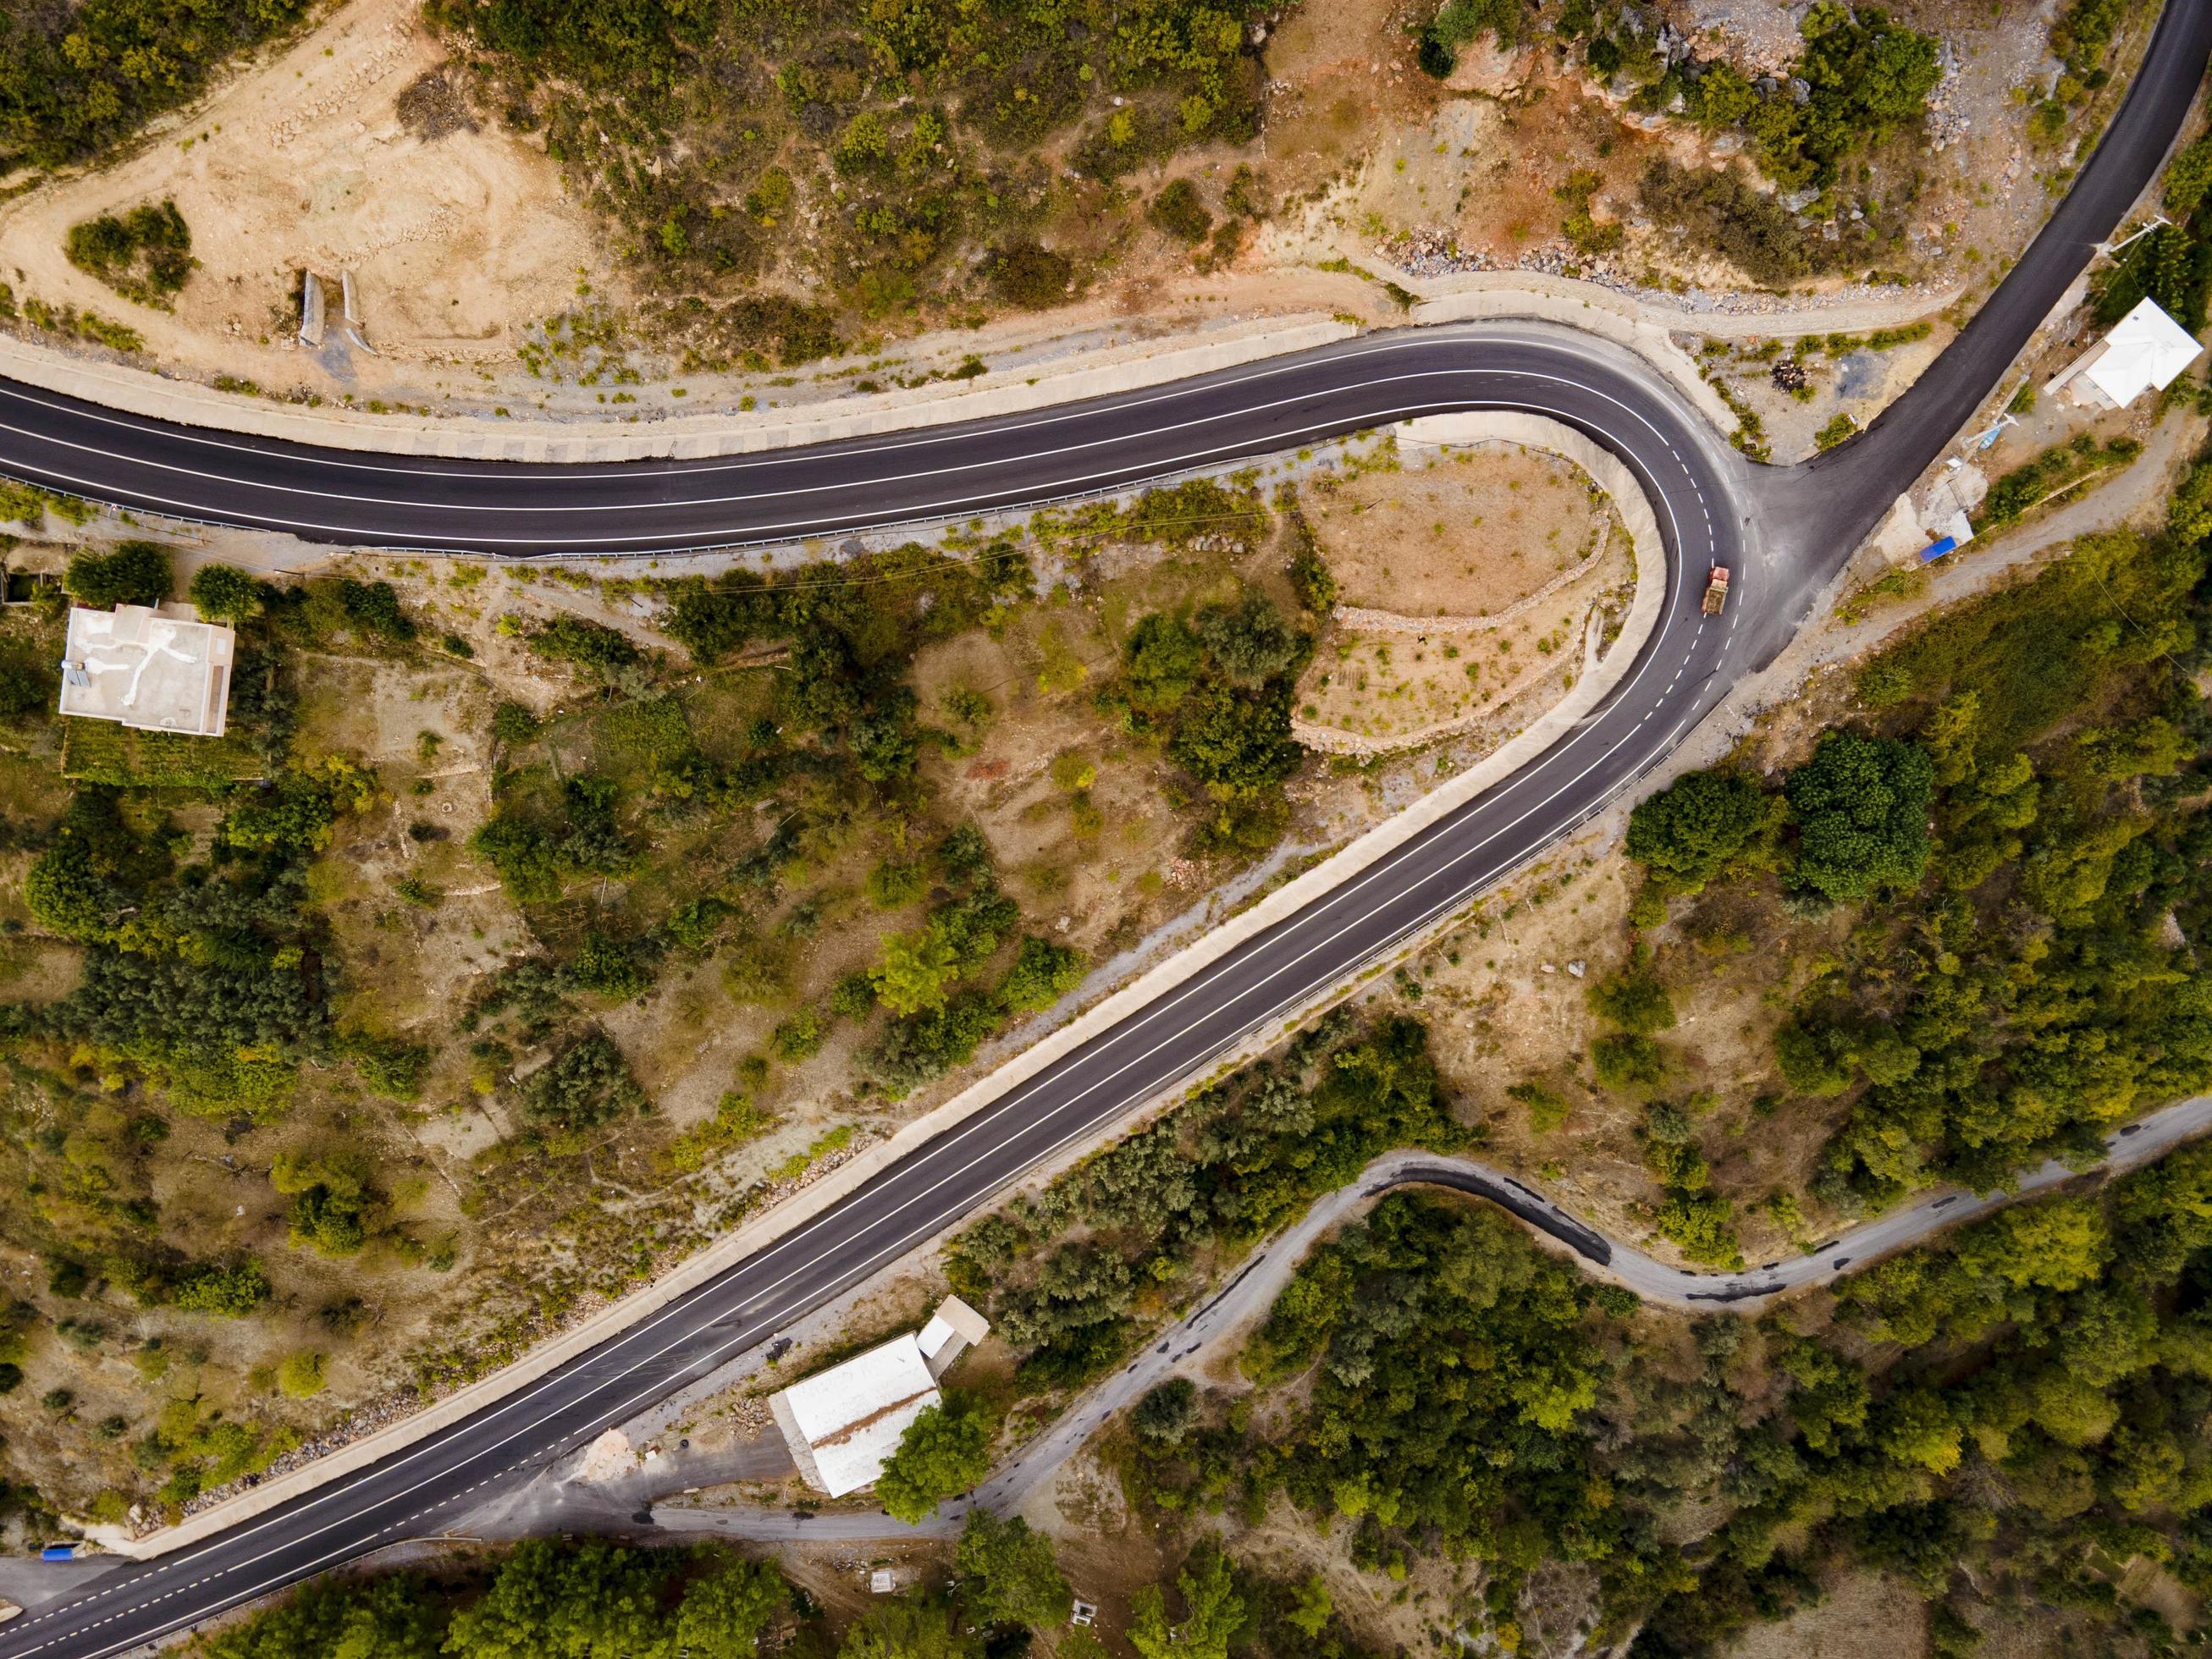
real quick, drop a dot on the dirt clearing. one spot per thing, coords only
(344, 153)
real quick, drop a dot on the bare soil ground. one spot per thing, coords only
(305, 161)
(1865, 1616)
(1489, 559)
(1467, 535)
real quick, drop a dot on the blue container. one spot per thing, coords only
(1935, 550)
(58, 1552)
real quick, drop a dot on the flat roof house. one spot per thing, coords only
(842, 1424)
(139, 667)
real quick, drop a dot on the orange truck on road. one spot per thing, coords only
(1717, 591)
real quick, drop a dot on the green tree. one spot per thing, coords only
(1311, 1611)
(916, 970)
(224, 594)
(1251, 644)
(1167, 1410)
(1041, 974)
(136, 573)
(1161, 661)
(724, 1613)
(2188, 178)
(1213, 1613)
(1916, 1427)
(911, 1627)
(1860, 805)
(382, 1618)
(1697, 829)
(548, 1601)
(1011, 1575)
(1236, 744)
(946, 1449)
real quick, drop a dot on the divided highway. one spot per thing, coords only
(1782, 533)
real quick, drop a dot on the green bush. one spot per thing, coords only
(145, 255)
(586, 1085)
(232, 1291)
(1180, 211)
(1723, 212)
(1031, 276)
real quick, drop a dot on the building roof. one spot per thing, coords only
(853, 1415)
(135, 665)
(2145, 349)
(954, 1323)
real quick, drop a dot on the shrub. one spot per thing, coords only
(608, 967)
(1725, 212)
(231, 1291)
(1179, 210)
(1623, 1059)
(1031, 276)
(586, 1085)
(1547, 1108)
(145, 255)
(512, 722)
(1633, 999)
(299, 1376)
(894, 883)
(584, 643)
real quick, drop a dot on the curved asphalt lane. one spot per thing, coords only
(1679, 673)
(363, 499)
(1673, 679)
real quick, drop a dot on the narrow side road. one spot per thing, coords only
(1192, 1343)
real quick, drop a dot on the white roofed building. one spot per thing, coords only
(842, 1424)
(2146, 350)
(138, 668)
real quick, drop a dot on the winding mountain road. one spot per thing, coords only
(1783, 532)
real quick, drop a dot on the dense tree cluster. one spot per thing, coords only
(1071, 1279)
(2048, 1402)
(543, 1599)
(2025, 827)
(1216, 688)
(76, 78)
(203, 976)
(903, 132)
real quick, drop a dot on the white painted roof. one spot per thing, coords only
(853, 1415)
(2146, 349)
(137, 666)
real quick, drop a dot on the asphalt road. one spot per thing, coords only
(1705, 501)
